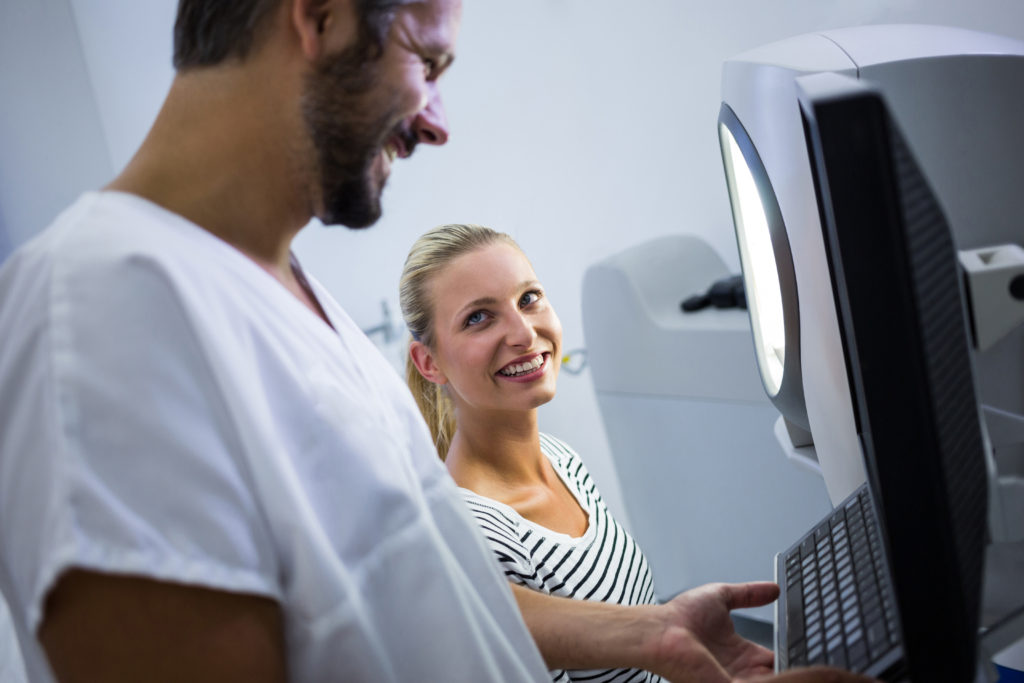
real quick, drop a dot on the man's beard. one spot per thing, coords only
(349, 123)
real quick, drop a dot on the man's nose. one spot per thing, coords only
(431, 123)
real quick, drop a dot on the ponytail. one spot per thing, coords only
(434, 405)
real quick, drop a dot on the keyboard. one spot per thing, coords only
(837, 600)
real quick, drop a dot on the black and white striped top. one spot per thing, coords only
(604, 564)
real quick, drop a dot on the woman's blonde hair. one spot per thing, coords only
(430, 254)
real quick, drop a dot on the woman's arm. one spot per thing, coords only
(105, 627)
(689, 638)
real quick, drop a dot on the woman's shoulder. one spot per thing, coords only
(562, 455)
(565, 459)
(553, 447)
(492, 514)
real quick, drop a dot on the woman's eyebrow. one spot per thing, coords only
(483, 301)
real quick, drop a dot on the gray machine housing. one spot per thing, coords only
(709, 492)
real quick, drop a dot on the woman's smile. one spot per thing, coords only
(525, 369)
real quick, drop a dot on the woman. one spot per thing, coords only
(485, 354)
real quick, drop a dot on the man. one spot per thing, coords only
(206, 471)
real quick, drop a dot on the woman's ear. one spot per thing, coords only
(423, 359)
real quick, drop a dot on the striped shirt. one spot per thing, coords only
(604, 564)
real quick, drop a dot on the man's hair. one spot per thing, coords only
(208, 32)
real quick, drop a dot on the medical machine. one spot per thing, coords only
(875, 177)
(709, 493)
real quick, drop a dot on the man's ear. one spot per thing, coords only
(323, 26)
(423, 359)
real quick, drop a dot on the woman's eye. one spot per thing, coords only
(529, 298)
(475, 318)
(429, 66)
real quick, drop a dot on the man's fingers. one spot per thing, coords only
(753, 594)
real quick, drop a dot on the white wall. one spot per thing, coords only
(51, 141)
(579, 126)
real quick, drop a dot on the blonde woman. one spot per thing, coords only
(484, 355)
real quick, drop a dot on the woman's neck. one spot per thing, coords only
(501, 459)
(503, 448)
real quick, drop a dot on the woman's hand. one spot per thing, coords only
(700, 643)
(690, 639)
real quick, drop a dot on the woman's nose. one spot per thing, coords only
(520, 331)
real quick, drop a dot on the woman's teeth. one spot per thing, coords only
(522, 368)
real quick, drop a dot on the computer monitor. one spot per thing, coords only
(896, 282)
(954, 94)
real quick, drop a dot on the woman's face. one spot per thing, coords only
(497, 341)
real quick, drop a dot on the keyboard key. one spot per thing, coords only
(870, 605)
(794, 613)
(877, 640)
(851, 621)
(833, 625)
(836, 657)
(857, 656)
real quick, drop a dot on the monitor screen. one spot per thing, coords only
(767, 263)
(896, 282)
